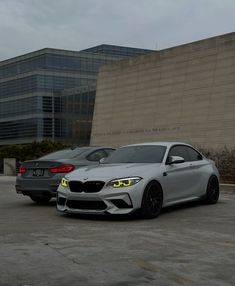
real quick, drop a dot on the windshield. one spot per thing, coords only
(64, 154)
(137, 154)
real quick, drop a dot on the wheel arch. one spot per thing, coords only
(156, 181)
(213, 175)
(151, 203)
(212, 198)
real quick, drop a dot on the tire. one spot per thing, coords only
(212, 192)
(152, 200)
(40, 200)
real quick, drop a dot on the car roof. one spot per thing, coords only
(90, 147)
(162, 143)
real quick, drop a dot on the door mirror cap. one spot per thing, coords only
(174, 160)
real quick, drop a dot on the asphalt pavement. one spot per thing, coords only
(192, 244)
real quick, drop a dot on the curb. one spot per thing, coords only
(229, 188)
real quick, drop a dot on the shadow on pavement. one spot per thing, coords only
(134, 216)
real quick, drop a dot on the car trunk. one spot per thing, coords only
(39, 168)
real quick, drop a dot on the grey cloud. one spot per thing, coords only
(27, 25)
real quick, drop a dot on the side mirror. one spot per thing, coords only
(174, 160)
(102, 160)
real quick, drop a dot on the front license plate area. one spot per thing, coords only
(38, 172)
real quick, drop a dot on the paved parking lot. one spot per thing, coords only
(192, 244)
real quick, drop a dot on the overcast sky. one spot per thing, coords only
(28, 25)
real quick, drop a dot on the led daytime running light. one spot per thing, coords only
(124, 182)
(64, 183)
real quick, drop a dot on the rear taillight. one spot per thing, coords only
(65, 168)
(22, 170)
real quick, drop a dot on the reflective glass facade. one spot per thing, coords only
(50, 93)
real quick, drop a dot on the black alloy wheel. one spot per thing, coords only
(152, 200)
(212, 193)
(40, 200)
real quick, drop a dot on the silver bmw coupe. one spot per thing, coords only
(144, 177)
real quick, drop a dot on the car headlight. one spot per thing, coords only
(124, 182)
(64, 183)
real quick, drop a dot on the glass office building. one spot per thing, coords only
(50, 93)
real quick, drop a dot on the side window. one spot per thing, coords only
(97, 155)
(179, 151)
(193, 154)
(109, 151)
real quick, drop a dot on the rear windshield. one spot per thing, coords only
(64, 154)
(137, 154)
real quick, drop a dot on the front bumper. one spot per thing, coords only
(106, 201)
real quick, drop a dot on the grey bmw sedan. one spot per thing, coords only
(39, 179)
(144, 177)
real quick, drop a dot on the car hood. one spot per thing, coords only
(107, 172)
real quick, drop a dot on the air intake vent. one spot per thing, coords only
(61, 201)
(86, 205)
(121, 204)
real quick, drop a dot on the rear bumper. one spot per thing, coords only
(37, 187)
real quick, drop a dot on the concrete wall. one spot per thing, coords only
(186, 93)
(9, 165)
